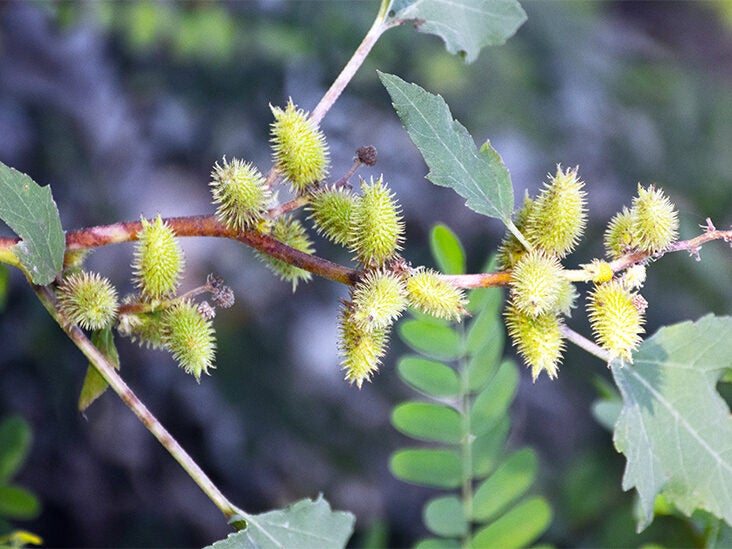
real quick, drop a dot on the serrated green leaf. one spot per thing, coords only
(675, 429)
(431, 378)
(430, 422)
(492, 403)
(509, 482)
(518, 527)
(94, 384)
(306, 524)
(478, 175)
(15, 440)
(487, 447)
(428, 467)
(435, 543)
(447, 250)
(18, 503)
(466, 26)
(29, 210)
(431, 339)
(444, 516)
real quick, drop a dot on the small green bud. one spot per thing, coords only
(378, 300)
(289, 231)
(88, 299)
(300, 149)
(239, 191)
(536, 283)
(190, 338)
(615, 319)
(655, 220)
(361, 350)
(511, 249)
(619, 238)
(431, 294)
(331, 212)
(634, 277)
(558, 216)
(377, 229)
(158, 261)
(600, 271)
(538, 339)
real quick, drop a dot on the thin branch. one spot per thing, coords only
(583, 343)
(110, 375)
(480, 280)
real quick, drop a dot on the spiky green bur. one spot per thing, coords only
(158, 261)
(331, 211)
(190, 338)
(378, 299)
(567, 298)
(655, 220)
(537, 283)
(615, 319)
(538, 339)
(299, 147)
(618, 237)
(88, 299)
(559, 215)
(634, 277)
(240, 194)
(361, 350)
(377, 229)
(511, 250)
(289, 231)
(429, 293)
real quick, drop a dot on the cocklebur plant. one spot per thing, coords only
(366, 219)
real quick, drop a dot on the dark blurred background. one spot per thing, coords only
(123, 107)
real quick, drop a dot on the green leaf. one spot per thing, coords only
(492, 403)
(306, 524)
(606, 412)
(466, 26)
(447, 250)
(94, 384)
(430, 422)
(29, 210)
(431, 378)
(428, 467)
(479, 176)
(444, 516)
(487, 447)
(18, 503)
(431, 339)
(483, 365)
(435, 543)
(519, 527)
(15, 440)
(508, 483)
(675, 429)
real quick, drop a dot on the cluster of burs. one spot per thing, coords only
(542, 292)
(368, 223)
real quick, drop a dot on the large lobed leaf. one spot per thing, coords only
(305, 524)
(29, 210)
(478, 175)
(674, 428)
(466, 26)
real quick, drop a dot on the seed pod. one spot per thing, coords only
(558, 217)
(377, 229)
(431, 294)
(538, 339)
(378, 300)
(567, 298)
(331, 211)
(239, 191)
(511, 250)
(655, 220)
(361, 350)
(158, 261)
(88, 299)
(190, 338)
(145, 329)
(299, 147)
(616, 321)
(619, 239)
(536, 283)
(600, 271)
(289, 231)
